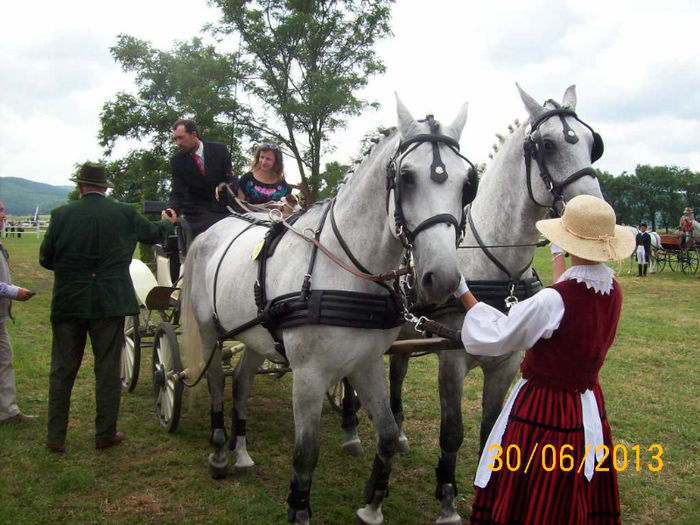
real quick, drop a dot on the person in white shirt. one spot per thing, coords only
(557, 406)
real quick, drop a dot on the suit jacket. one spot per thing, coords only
(644, 239)
(193, 192)
(89, 246)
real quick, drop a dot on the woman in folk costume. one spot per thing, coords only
(567, 329)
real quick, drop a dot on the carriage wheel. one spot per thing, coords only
(674, 261)
(690, 262)
(660, 262)
(167, 386)
(131, 353)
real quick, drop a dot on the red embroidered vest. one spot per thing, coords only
(571, 358)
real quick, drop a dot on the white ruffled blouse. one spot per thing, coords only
(488, 332)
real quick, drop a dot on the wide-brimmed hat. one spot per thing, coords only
(587, 230)
(94, 174)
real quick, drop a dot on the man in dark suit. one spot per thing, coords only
(89, 246)
(643, 241)
(198, 169)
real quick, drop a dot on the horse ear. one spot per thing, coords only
(569, 100)
(533, 108)
(454, 130)
(407, 123)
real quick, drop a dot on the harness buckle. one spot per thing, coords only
(511, 300)
(276, 215)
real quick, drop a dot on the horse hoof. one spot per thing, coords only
(453, 519)
(402, 446)
(354, 448)
(218, 467)
(301, 517)
(368, 515)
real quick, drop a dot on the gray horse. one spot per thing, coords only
(379, 213)
(539, 165)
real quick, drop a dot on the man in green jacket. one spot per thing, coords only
(89, 245)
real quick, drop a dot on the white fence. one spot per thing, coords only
(20, 229)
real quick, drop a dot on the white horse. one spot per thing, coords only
(655, 245)
(373, 222)
(539, 165)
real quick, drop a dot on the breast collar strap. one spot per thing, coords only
(534, 147)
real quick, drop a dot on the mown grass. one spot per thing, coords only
(650, 380)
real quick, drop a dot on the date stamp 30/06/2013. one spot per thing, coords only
(548, 457)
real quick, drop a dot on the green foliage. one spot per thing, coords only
(329, 179)
(309, 60)
(655, 194)
(190, 81)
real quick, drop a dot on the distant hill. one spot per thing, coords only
(21, 196)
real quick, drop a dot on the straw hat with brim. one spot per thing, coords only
(587, 230)
(93, 174)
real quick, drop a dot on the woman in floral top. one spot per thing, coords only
(265, 181)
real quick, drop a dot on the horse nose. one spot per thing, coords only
(438, 285)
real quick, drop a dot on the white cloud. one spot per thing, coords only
(635, 64)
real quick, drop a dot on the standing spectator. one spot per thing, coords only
(643, 241)
(686, 227)
(89, 245)
(9, 411)
(567, 329)
(197, 169)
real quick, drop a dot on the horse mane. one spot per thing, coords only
(385, 134)
(502, 138)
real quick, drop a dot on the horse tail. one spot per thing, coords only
(191, 341)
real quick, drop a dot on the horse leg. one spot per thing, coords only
(243, 378)
(369, 382)
(497, 381)
(398, 367)
(453, 369)
(352, 444)
(309, 390)
(218, 460)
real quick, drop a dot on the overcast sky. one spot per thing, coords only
(636, 66)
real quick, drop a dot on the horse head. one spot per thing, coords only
(430, 181)
(559, 152)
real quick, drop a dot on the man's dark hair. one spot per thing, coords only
(190, 125)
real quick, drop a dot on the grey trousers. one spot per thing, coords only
(69, 338)
(8, 406)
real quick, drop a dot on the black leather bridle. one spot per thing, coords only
(534, 149)
(438, 173)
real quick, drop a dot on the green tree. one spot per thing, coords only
(192, 80)
(309, 59)
(330, 178)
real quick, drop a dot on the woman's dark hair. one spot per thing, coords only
(278, 168)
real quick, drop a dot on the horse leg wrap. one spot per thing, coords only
(445, 474)
(349, 409)
(297, 500)
(237, 429)
(397, 409)
(218, 431)
(378, 481)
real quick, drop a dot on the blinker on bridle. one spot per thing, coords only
(534, 149)
(438, 174)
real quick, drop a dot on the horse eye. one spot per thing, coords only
(407, 177)
(548, 145)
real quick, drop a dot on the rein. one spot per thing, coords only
(276, 216)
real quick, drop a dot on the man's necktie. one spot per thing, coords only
(198, 162)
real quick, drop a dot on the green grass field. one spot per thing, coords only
(650, 380)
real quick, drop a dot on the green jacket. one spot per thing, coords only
(89, 245)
